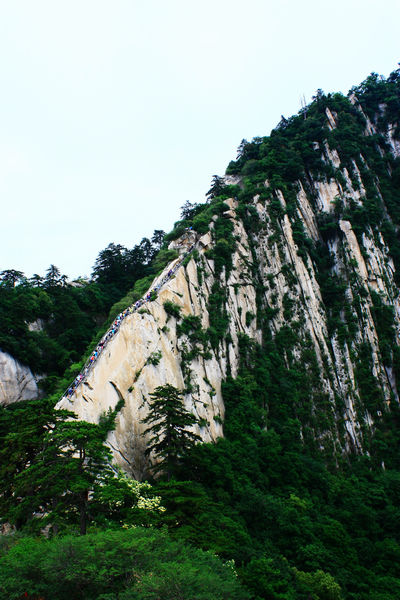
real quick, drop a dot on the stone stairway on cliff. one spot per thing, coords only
(113, 330)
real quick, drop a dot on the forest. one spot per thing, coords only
(266, 512)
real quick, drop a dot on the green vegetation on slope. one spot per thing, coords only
(48, 323)
(301, 519)
(279, 507)
(134, 564)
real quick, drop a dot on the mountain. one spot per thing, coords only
(296, 253)
(274, 309)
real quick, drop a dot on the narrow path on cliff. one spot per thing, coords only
(117, 323)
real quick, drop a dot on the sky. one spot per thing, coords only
(115, 113)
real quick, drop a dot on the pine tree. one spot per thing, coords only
(168, 421)
(52, 478)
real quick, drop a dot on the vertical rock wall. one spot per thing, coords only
(149, 351)
(293, 258)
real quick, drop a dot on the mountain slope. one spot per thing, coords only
(279, 321)
(297, 250)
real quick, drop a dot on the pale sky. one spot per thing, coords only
(114, 113)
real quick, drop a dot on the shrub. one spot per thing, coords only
(201, 222)
(138, 563)
(141, 287)
(172, 309)
(154, 358)
(249, 317)
(164, 257)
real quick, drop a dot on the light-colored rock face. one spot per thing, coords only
(149, 350)
(331, 118)
(394, 143)
(37, 325)
(17, 382)
(371, 267)
(125, 370)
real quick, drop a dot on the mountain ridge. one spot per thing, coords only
(281, 331)
(261, 276)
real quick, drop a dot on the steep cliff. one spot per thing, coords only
(154, 347)
(297, 251)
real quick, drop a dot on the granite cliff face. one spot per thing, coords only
(308, 264)
(126, 368)
(17, 381)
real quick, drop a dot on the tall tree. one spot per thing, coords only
(190, 209)
(157, 239)
(36, 280)
(52, 275)
(110, 264)
(23, 426)
(10, 277)
(54, 478)
(168, 422)
(217, 187)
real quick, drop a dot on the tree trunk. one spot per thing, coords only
(83, 512)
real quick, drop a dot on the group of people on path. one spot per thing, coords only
(117, 322)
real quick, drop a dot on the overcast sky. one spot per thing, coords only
(114, 113)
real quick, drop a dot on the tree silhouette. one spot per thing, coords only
(217, 187)
(10, 277)
(168, 421)
(190, 210)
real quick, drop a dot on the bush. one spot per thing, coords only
(141, 287)
(201, 222)
(137, 563)
(154, 358)
(189, 324)
(172, 309)
(178, 230)
(163, 258)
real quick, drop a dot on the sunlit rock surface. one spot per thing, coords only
(269, 273)
(17, 382)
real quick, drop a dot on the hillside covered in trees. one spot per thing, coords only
(294, 309)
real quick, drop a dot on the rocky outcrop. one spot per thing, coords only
(277, 282)
(150, 350)
(17, 382)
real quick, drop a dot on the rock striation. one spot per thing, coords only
(149, 351)
(310, 266)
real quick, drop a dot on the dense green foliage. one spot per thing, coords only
(55, 473)
(168, 422)
(66, 316)
(300, 518)
(134, 564)
(289, 510)
(67, 321)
